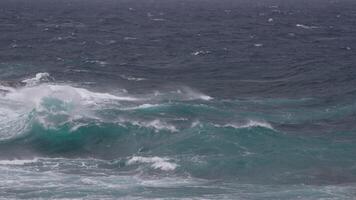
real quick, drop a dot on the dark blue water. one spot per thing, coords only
(177, 99)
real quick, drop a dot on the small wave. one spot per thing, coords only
(198, 53)
(130, 38)
(99, 62)
(156, 162)
(158, 19)
(256, 124)
(130, 78)
(305, 26)
(60, 38)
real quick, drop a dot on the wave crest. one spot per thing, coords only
(155, 162)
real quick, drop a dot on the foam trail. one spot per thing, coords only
(17, 162)
(249, 124)
(62, 92)
(143, 106)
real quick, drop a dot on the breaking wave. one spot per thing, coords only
(176, 133)
(180, 132)
(155, 162)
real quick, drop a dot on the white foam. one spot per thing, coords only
(191, 94)
(155, 124)
(7, 89)
(158, 124)
(181, 93)
(249, 124)
(158, 19)
(37, 79)
(88, 95)
(205, 97)
(169, 182)
(35, 93)
(17, 162)
(130, 78)
(147, 105)
(12, 123)
(65, 93)
(195, 124)
(143, 106)
(156, 162)
(100, 62)
(77, 126)
(197, 53)
(305, 26)
(252, 123)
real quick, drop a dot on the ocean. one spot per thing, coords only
(178, 99)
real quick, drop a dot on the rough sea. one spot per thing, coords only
(178, 99)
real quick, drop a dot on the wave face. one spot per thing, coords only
(177, 99)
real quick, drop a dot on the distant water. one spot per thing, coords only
(178, 99)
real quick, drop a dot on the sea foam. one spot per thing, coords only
(156, 124)
(156, 162)
(37, 79)
(249, 124)
(17, 162)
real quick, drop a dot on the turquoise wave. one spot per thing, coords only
(186, 138)
(203, 151)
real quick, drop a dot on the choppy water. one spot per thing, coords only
(177, 99)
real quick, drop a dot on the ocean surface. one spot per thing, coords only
(178, 99)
